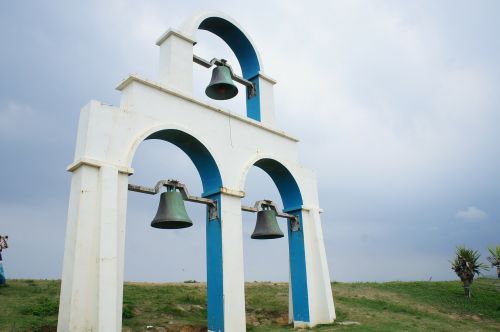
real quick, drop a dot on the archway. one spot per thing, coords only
(291, 198)
(211, 181)
(149, 252)
(243, 47)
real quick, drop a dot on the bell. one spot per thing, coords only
(221, 85)
(171, 212)
(267, 226)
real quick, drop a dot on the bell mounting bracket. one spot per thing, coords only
(213, 211)
(251, 89)
(259, 205)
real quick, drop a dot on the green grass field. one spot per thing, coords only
(31, 305)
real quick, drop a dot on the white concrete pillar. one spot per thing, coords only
(113, 205)
(92, 282)
(321, 307)
(176, 61)
(233, 270)
(78, 299)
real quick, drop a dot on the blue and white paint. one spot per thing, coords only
(222, 146)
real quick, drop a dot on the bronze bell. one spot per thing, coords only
(221, 85)
(171, 212)
(267, 226)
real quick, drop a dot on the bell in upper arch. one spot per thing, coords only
(221, 85)
(171, 212)
(267, 226)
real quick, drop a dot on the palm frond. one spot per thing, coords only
(494, 259)
(467, 261)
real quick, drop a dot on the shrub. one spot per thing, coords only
(127, 312)
(43, 307)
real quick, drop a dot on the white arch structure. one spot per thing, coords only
(222, 151)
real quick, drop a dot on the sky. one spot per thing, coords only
(396, 105)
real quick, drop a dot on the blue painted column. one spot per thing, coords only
(253, 104)
(298, 274)
(215, 301)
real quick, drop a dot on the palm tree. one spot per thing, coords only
(494, 259)
(466, 264)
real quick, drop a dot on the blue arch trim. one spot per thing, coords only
(292, 203)
(237, 41)
(244, 51)
(199, 155)
(284, 180)
(253, 104)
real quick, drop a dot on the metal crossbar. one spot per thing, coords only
(212, 204)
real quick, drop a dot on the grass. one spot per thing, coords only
(419, 306)
(31, 305)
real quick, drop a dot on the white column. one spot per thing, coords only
(321, 307)
(78, 300)
(92, 281)
(112, 210)
(176, 61)
(232, 257)
(266, 94)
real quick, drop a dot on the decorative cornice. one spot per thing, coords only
(267, 78)
(98, 164)
(172, 32)
(232, 192)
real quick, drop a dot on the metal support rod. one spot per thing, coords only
(212, 204)
(251, 89)
(294, 220)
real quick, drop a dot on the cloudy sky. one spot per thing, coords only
(397, 105)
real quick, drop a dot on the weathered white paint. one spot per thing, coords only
(108, 136)
(176, 59)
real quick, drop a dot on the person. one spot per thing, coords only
(3, 245)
